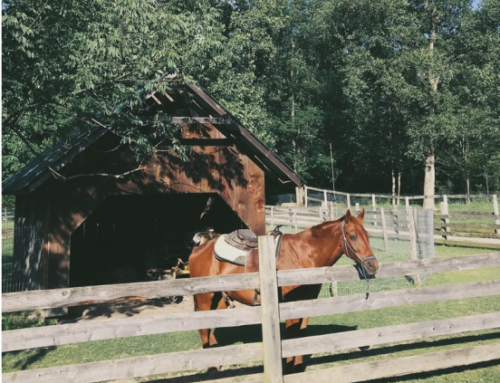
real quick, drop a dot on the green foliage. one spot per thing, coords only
(388, 83)
(69, 66)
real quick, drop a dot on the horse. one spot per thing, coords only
(318, 246)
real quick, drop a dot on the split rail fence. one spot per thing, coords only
(272, 349)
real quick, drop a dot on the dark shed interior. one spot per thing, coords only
(128, 235)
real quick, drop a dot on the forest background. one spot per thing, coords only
(406, 92)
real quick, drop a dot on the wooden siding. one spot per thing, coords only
(212, 169)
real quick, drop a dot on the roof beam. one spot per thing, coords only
(201, 120)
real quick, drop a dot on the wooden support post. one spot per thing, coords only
(305, 195)
(334, 289)
(407, 203)
(348, 196)
(412, 232)
(272, 217)
(445, 218)
(357, 208)
(374, 208)
(295, 220)
(495, 212)
(271, 342)
(395, 221)
(384, 228)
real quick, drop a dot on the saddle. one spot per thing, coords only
(244, 239)
(235, 248)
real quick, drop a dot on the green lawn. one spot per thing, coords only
(128, 347)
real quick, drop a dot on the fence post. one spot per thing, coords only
(495, 211)
(357, 208)
(348, 196)
(295, 219)
(407, 202)
(272, 216)
(445, 218)
(412, 232)
(384, 231)
(411, 219)
(271, 342)
(305, 195)
(374, 205)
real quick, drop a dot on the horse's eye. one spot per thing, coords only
(353, 237)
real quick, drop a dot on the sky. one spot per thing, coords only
(476, 4)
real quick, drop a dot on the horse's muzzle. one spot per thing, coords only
(370, 266)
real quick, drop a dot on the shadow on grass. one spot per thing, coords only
(128, 306)
(253, 333)
(435, 373)
(402, 347)
(249, 334)
(28, 357)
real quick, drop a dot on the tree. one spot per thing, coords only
(70, 65)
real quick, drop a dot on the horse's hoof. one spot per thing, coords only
(365, 348)
(211, 371)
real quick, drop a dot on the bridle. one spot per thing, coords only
(354, 256)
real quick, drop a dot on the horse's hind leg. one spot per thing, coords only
(206, 302)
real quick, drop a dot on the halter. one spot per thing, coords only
(361, 269)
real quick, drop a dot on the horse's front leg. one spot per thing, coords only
(295, 328)
(206, 302)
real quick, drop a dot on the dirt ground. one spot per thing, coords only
(129, 306)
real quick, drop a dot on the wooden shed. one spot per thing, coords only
(81, 230)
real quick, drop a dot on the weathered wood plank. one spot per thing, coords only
(270, 311)
(361, 372)
(85, 331)
(201, 120)
(139, 366)
(384, 299)
(388, 334)
(42, 299)
(392, 269)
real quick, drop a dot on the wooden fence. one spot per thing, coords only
(346, 199)
(393, 223)
(468, 223)
(385, 224)
(272, 349)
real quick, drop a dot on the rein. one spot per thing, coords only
(354, 256)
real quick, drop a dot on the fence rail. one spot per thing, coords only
(271, 350)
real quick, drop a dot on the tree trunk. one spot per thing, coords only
(467, 182)
(399, 187)
(429, 182)
(393, 178)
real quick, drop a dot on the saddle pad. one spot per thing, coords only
(252, 259)
(224, 252)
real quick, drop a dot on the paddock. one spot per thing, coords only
(272, 349)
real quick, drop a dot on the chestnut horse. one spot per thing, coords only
(319, 246)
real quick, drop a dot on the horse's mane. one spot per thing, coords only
(317, 229)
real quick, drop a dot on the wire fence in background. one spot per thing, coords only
(473, 202)
(10, 281)
(395, 235)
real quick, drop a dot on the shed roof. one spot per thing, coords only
(201, 104)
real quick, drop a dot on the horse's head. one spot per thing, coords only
(356, 245)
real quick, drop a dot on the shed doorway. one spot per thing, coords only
(127, 235)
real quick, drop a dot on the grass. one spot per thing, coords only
(148, 345)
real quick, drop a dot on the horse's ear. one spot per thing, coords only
(362, 214)
(347, 216)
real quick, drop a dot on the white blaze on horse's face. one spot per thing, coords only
(356, 243)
